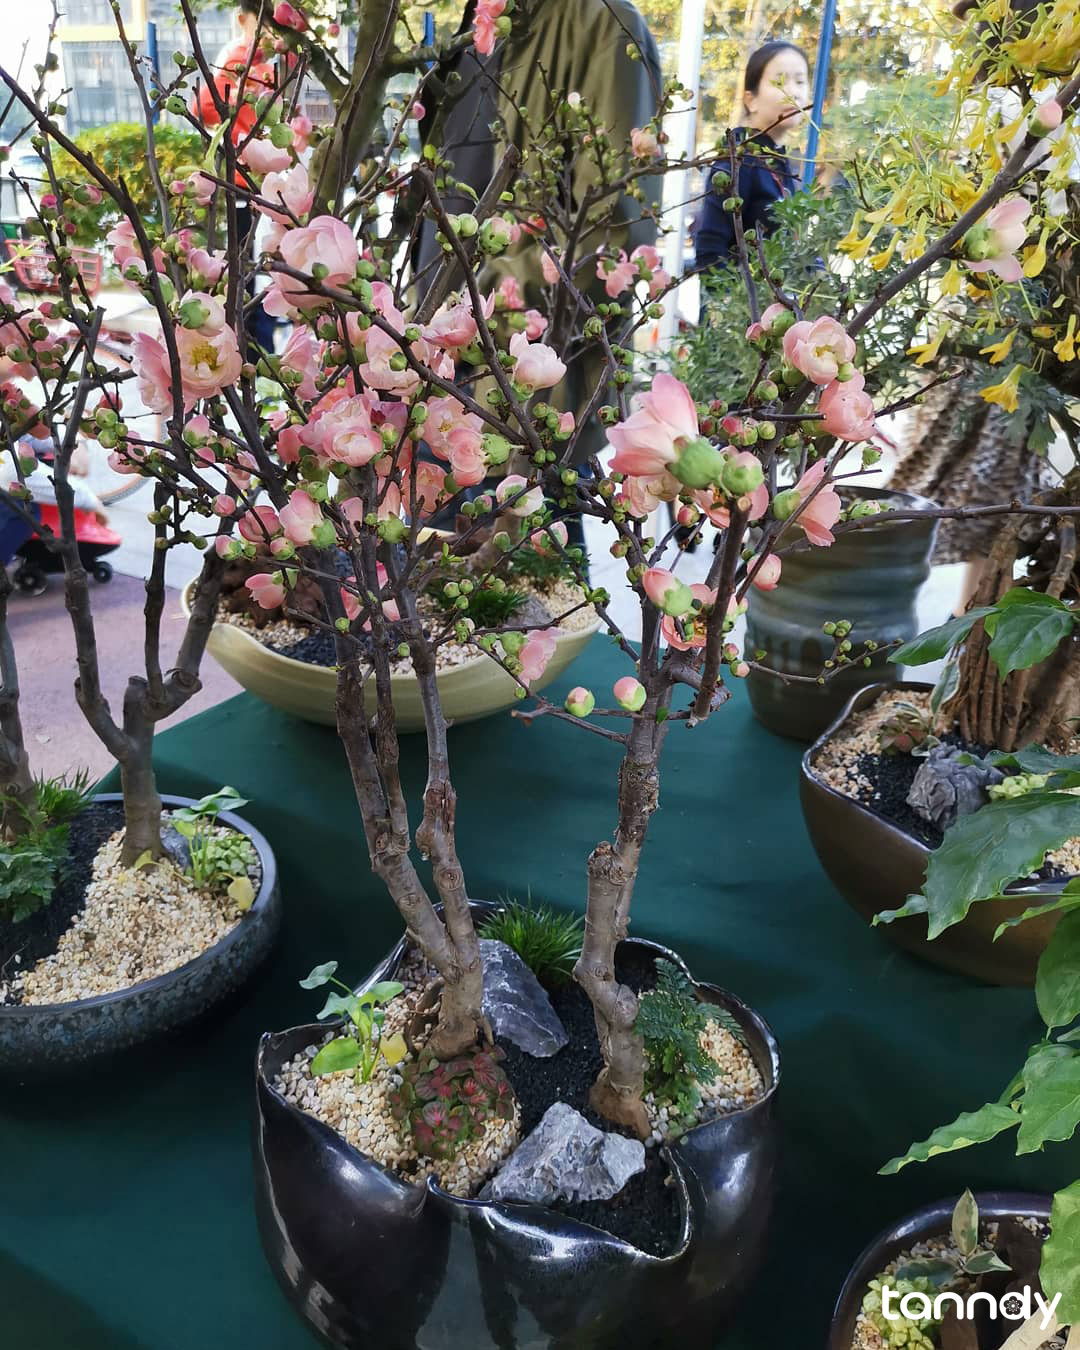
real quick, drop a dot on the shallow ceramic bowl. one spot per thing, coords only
(45, 1036)
(876, 865)
(476, 688)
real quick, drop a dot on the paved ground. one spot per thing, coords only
(57, 735)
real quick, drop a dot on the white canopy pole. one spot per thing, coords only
(681, 128)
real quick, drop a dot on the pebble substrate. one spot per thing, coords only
(316, 647)
(134, 924)
(852, 763)
(645, 1213)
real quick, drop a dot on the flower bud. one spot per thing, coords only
(742, 475)
(1046, 118)
(786, 503)
(580, 702)
(629, 693)
(667, 592)
(699, 464)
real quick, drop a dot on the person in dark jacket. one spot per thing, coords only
(775, 95)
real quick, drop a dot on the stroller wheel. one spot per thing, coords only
(103, 572)
(30, 581)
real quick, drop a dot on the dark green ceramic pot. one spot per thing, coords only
(869, 576)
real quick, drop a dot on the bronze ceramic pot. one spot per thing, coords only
(870, 577)
(876, 865)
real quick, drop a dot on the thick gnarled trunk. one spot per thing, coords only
(16, 780)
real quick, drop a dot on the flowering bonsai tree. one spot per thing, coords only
(322, 463)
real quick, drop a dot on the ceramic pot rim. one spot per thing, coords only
(231, 938)
(518, 1212)
(994, 1204)
(868, 694)
(291, 663)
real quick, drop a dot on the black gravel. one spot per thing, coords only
(39, 934)
(646, 1211)
(317, 649)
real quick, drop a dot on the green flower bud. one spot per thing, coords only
(699, 464)
(786, 503)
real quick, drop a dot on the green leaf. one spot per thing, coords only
(933, 1268)
(915, 904)
(947, 685)
(1057, 983)
(970, 1127)
(965, 1224)
(384, 991)
(936, 643)
(983, 852)
(242, 893)
(1050, 1110)
(984, 1263)
(1063, 902)
(319, 976)
(344, 1053)
(1034, 759)
(1060, 1272)
(145, 859)
(337, 1005)
(1023, 638)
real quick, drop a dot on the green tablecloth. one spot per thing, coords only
(125, 1197)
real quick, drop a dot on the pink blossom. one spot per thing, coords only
(223, 505)
(819, 516)
(484, 33)
(445, 415)
(538, 650)
(510, 293)
(264, 157)
(646, 256)
(121, 239)
(349, 602)
(452, 327)
(765, 324)
(566, 423)
(535, 324)
(303, 355)
(150, 361)
(666, 591)
(468, 462)
(200, 305)
(768, 574)
(1047, 117)
(301, 128)
(658, 283)
(288, 445)
(642, 495)
(544, 541)
(644, 144)
(617, 276)
(208, 363)
(548, 268)
(418, 112)
(292, 190)
(818, 349)
(663, 420)
(991, 244)
(430, 487)
(300, 517)
(693, 628)
(256, 525)
(326, 241)
(511, 489)
(847, 410)
(346, 435)
(205, 266)
(289, 17)
(536, 366)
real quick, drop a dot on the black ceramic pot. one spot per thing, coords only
(41, 1037)
(871, 577)
(371, 1260)
(876, 865)
(929, 1222)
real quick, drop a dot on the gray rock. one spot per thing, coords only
(176, 846)
(566, 1158)
(515, 1002)
(943, 790)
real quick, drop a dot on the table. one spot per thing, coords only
(126, 1216)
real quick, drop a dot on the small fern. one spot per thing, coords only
(670, 1021)
(544, 570)
(487, 607)
(549, 942)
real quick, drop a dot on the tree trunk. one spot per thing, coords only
(16, 781)
(142, 805)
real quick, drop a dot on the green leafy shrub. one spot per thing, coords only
(544, 570)
(120, 150)
(549, 942)
(218, 859)
(359, 1048)
(488, 606)
(444, 1105)
(670, 1021)
(31, 860)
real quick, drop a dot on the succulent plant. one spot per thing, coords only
(907, 729)
(444, 1105)
(899, 1332)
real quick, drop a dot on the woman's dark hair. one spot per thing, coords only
(755, 67)
(255, 7)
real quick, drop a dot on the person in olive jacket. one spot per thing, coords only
(776, 93)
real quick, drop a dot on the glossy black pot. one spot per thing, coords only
(42, 1037)
(371, 1260)
(929, 1222)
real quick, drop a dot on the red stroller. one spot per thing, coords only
(37, 559)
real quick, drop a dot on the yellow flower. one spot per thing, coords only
(1044, 330)
(916, 245)
(1000, 349)
(852, 237)
(1004, 394)
(928, 350)
(881, 260)
(1036, 258)
(1065, 350)
(860, 249)
(952, 280)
